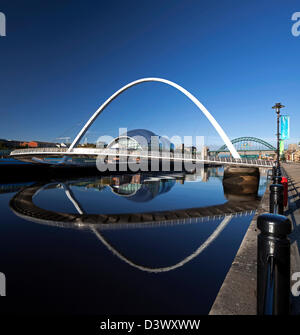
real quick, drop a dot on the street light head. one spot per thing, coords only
(278, 105)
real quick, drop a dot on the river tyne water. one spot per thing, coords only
(76, 246)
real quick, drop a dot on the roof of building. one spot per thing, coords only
(147, 135)
(140, 132)
(144, 192)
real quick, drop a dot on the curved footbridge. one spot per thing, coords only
(88, 157)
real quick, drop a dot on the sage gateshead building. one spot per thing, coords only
(141, 139)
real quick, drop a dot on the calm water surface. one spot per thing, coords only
(56, 267)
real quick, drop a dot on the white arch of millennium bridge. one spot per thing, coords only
(211, 119)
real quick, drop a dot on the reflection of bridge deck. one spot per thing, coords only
(13, 187)
(37, 155)
(22, 204)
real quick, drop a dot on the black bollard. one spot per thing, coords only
(276, 175)
(274, 171)
(273, 265)
(276, 199)
(277, 180)
(278, 171)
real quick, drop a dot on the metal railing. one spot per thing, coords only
(37, 150)
(143, 154)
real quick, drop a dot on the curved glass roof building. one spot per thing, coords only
(141, 139)
(144, 192)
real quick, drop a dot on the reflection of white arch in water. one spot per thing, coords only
(211, 119)
(196, 253)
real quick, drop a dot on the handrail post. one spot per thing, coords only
(273, 265)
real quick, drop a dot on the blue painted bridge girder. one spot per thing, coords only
(248, 139)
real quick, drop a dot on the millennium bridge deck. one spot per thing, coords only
(37, 155)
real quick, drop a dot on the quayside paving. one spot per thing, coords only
(237, 295)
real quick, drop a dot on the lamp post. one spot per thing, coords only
(278, 106)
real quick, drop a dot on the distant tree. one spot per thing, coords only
(89, 145)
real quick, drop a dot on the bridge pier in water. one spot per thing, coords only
(239, 181)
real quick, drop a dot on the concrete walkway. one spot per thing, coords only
(237, 295)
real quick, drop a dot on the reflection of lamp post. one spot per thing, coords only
(277, 106)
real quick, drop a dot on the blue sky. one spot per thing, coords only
(61, 59)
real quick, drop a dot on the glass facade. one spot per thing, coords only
(125, 143)
(141, 139)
